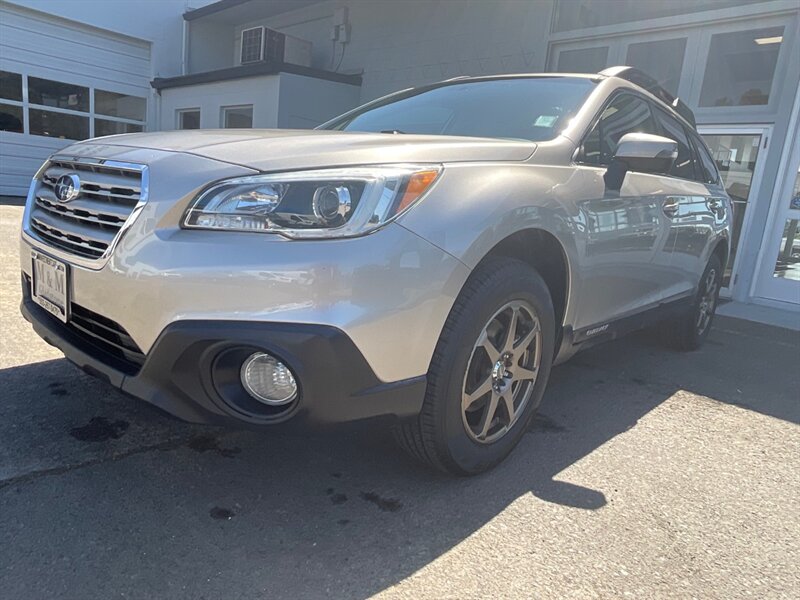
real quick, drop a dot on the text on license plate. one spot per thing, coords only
(50, 284)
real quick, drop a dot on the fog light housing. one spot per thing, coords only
(268, 380)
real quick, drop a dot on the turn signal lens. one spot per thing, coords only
(417, 184)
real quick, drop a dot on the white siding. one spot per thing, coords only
(49, 47)
(306, 102)
(260, 92)
(285, 100)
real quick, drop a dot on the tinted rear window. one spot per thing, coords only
(534, 109)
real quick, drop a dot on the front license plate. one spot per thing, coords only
(50, 285)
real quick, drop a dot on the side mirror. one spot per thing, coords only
(641, 152)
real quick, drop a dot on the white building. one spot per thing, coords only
(76, 68)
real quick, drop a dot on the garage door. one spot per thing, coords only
(61, 81)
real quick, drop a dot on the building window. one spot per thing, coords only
(585, 60)
(740, 67)
(189, 118)
(237, 117)
(662, 60)
(787, 266)
(583, 14)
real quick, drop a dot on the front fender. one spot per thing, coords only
(476, 206)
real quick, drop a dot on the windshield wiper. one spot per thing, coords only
(395, 131)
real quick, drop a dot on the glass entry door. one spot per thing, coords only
(739, 153)
(779, 267)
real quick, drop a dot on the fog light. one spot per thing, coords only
(268, 380)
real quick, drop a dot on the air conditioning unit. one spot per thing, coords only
(260, 44)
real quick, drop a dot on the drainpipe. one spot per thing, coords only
(185, 39)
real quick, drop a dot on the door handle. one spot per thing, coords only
(670, 207)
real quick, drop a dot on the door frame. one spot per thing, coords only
(765, 289)
(765, 131)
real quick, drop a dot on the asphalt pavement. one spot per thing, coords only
(648, 474)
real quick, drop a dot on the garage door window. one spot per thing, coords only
(10, 86)
(57, 94)
(106, 127)
(113, 104)
(11, 117)
(58, 124)
(65, 110)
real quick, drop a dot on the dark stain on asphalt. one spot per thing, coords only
(336, 474)
(638, 381)
(57, 389)
(206, 443)
(546, 424)
(338, 498)
(221, 514)
(100, 429)
(343, 521)
(385, 504)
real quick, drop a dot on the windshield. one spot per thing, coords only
(533, 108)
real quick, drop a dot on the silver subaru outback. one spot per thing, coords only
(425, 258)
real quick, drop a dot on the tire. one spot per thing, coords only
(463, 441)
(688, 331)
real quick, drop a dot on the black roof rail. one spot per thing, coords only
(643, 80)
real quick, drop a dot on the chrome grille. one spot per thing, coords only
(89, 225)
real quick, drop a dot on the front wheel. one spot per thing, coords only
(690, 330)
(488, 372)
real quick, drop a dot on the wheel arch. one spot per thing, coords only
(721, 249)
(544, 252)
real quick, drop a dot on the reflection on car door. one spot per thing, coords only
(623, 235)
(690, 208)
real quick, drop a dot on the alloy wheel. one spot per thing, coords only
(501, 372)
(708, 301)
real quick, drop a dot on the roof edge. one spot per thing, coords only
(267, 67)
(210, 9)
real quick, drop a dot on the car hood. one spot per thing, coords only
(278, 149)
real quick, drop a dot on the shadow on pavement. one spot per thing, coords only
(194, 511)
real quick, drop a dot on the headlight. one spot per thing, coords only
(312, 204)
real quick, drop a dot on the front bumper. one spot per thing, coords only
(182, 373)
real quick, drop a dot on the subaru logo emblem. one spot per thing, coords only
(68, 187)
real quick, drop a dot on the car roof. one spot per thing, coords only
(630, 75)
